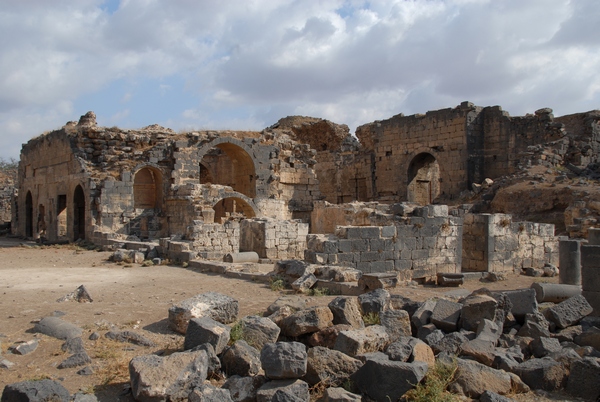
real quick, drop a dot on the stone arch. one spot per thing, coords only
(234, 205)
(423, 179)
(28, 215)
(230, 163)
(78, 213)
(147, 188)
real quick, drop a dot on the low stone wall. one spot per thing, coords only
(494, 243)
(213, 240)
(274, 239)
(415, 247)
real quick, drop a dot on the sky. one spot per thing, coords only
(244, 64)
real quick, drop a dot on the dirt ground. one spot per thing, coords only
(127, 297)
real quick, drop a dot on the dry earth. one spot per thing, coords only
(128, 297)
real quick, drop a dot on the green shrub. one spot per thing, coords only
(371, 319)
(433, 387)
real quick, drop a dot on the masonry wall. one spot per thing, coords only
(494, 243)
(417, 248)
(274, 239)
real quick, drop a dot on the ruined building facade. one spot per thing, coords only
(209, 193)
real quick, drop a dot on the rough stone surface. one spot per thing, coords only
(174, 376)
(35, 391)
(336, 394)
(258, 331)
(130, 337)
(475, 309)
(346, 310)
(206, 330)
(329, 367)
(243, 389)
(446, 314)
(380, 379)
(584, 379)
(375, 301)
(57, 328)
(307, 321)
(209, 393)
(241, 359)
(544, 373)
(284, 360)
(568, 312)
(217, 306)
(296, 388)
(396, 322)
(473, 379)
(359, 341)
(328, 336)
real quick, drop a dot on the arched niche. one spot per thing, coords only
(232, 206)
(147, 188)
(423, 179)
(229, 164)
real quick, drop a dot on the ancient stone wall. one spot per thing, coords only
(417, 246)
(494, 243)
(274, 239)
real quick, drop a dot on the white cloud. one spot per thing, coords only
(254, 62)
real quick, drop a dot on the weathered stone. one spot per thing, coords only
(543, 346)
(295, 303)
(346, 310)
(450, 343)
(329, 367)
(80, 295)
(293, 268)
(409, 349)
(422, 315)
(217, 306)
(6, 364)
(206, 330)
(241, 359)
(488, 331)
(473, 379)
(129, 336)
(584, 379)
(480, 350)
(35, 391)
(296, 388)
(568, 312)
(534, 327)
(446, 314)
(476, 308)
(280, 315)
(568, 334)
(336, 394)
(243, 389)
(57, 328)
(565, 356)
(338, 274)
(328, 336)
(75, 360)
(306, 321)
(24, 348)
(284, 360)
(375, 301)
(429, 333)
(209, 393)
(396, 322)
(450, 279)
(173, 376)
(589, 337)
(258, 331)
(544, 373)
(214, 363)
(523, 302)
(379, 280)
(489, 396)
(358, 341)
(380, 380)
(304, 283)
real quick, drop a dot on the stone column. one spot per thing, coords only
(569, 251)
(590, 276)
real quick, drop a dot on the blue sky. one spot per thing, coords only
(196, 64)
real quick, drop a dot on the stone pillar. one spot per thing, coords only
(594, 236)
(569, 251)
(590, 276)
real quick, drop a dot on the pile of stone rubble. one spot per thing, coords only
(501, 343)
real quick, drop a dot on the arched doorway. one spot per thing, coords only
(231, 207)
(229, 164)
(28, 215)
(147, 189)
(423, 179)
(78, 214)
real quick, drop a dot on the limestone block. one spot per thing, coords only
(359, 341)
(307, 321)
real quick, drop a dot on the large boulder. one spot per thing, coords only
(383, 380)
(57, 328)
(241, 359)
(295, 390)
(545, 373)
(35, 391)
(306, 321)
(568, 312)
(329, 367)
(358, 341)
(243, 389)
(584, 379)
(396, 322)
(473, 379)
(217, 306)
(206, 330)
(477, 307)
(446, 314)
(346, 310)
(174, 376)
(209, 393)
(284, 360)
(374, 302)
(258, 331)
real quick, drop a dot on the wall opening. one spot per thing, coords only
(147, 189)
(28, 215)
(78, 214)
(229, 165)
(41, 222)
(61, 216)
(232, 207)
(423, 179)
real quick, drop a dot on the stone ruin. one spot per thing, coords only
(304, 188)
